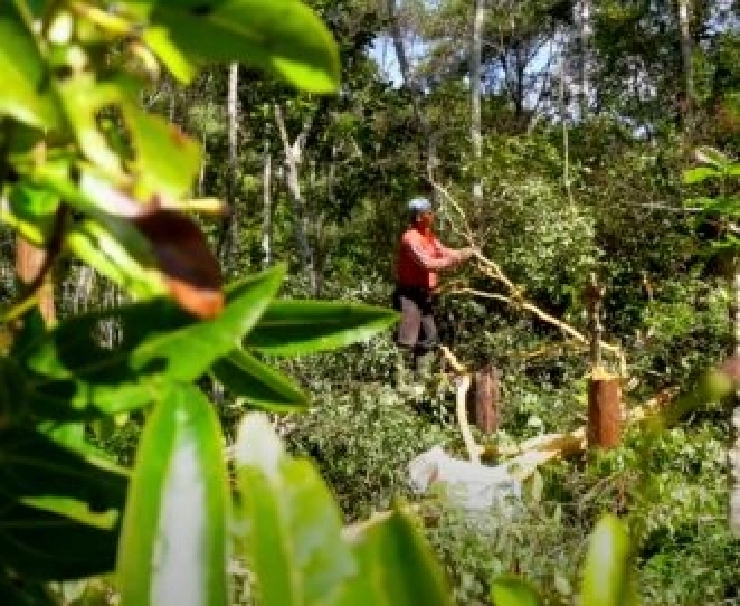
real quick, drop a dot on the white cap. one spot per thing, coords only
(419, 204)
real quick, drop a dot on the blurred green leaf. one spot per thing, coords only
(283, 36)
(119, 252)
(260, 384)
(167, 161)
(397, 566)
(510, 590)
(161, 343)
(23, 95)
(83, 98)
(292, 525)
(173, 542)
(158, 39)
(290, 328)
(606, 571)
(697, 175)
(32, 212)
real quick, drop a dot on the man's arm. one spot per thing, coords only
(424, 259)
(459, 254)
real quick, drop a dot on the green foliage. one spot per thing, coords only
(168, 533)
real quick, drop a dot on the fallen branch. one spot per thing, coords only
(474, 451)
(565, 444)
(515, 298)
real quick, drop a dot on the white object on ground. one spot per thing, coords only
(472, 486)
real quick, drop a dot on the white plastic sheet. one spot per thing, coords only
(471, 486)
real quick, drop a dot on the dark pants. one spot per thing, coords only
(417, 330)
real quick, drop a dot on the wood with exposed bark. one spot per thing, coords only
(484, 404)
(605, 418)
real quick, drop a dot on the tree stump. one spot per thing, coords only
(605, 415)
(484, 402)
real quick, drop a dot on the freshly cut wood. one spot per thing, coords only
(605, 415)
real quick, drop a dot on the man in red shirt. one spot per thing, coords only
(420, 257)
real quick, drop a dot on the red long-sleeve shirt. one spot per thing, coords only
(420, 257)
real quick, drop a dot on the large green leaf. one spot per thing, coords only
(606, 575)
(296, 327)
(292, 526)
(167, 161)
(283, 36)
(173, 542)
(22, 95)
(509, 590)
(261, 385)
(397, 567)
(161, 343)
(32, 465)
(46, 545)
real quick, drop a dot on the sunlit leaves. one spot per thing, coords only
(282, 36)
(24, 93)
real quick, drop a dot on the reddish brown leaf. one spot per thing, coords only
(191, 270)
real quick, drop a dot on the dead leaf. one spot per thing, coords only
(191, 270)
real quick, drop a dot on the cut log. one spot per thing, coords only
(605, 415)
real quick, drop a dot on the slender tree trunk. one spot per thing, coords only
(204, 140)
(684, 17)
(226, 249)
(583, 23)
(293, 160)
(267, 199)
(475, 95)
(734, 451)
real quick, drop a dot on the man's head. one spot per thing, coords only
(421, 212)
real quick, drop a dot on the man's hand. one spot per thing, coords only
(470, 252)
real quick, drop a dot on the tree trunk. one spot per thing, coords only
(684, 17)
(293, 160)
(267, 212)
(204, 141)
(227, 248)
(734, 451)
(583, 23)
(475, 95)
(29, 262)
